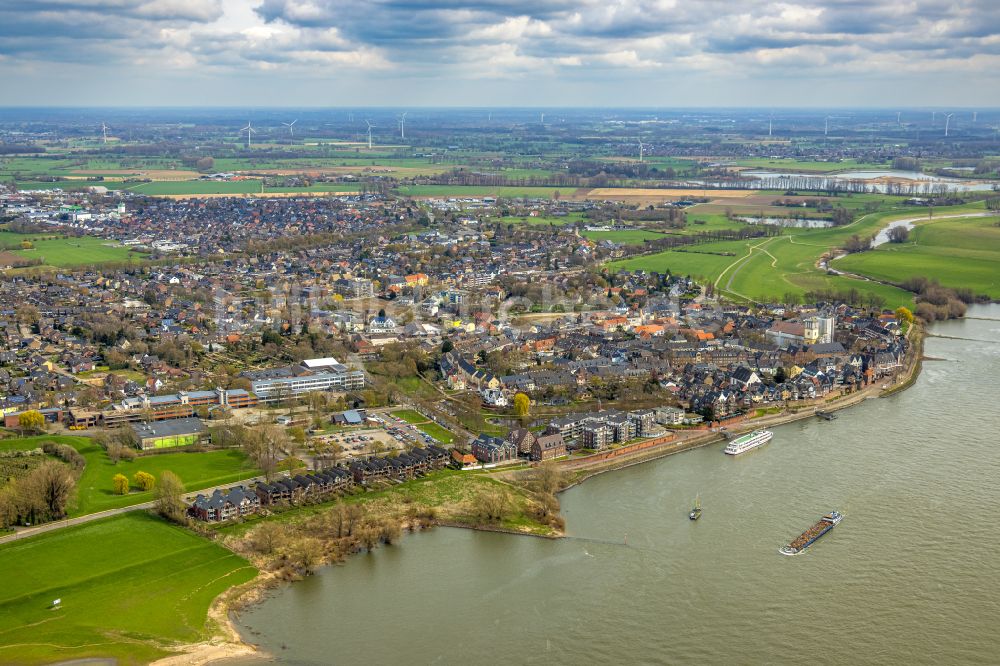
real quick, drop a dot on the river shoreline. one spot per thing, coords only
(228, 643)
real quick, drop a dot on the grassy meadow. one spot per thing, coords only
(197, 470)
(132, 587)
(626, 237)
(68, 252)
(957, 252)
(786, 266)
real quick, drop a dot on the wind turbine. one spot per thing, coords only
(770, 124)
(898, 114)
(249, 130)
(543, 119)
(370, 126)
(291, 126)
(826, 126)
(402, 125)
(933, 117)
(104, 131)
(947, 120)
(641, 147)
(974, 115)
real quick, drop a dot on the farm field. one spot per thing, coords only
(66, 252)
(957, 252)
(131, 587)
(197, 470)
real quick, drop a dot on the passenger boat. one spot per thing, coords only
(696, 511)
(747, 442)
(809, 537)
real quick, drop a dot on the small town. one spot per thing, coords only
(467, 333)
(533, 357)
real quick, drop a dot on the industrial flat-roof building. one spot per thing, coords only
(169, 434)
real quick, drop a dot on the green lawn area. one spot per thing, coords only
(73, 251)
(410, 416)
(425, 425)
(196, 470)
(629, 237)
(959, 252)
(442, 435)
(701, 261)
(131, 586)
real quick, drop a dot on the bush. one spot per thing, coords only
(67, 454)
(144, 480)
(120, 484)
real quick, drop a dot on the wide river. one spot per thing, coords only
(911, 576)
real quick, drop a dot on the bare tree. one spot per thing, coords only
(264, 446)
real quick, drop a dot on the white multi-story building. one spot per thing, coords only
(318, 374)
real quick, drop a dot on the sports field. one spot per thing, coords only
(130, 587)
(957, 252)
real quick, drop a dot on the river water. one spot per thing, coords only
(909, 577)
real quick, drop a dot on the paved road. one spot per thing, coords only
(25, 532)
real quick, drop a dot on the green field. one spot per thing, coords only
(629, 237)
(959, 253)
(460, 191)
(68, 252)
(131, 587)
(196, 470)
(425, 425)
(705, 261)
(440, 434)
(777, 268)
(181, 187)
(410, 415)
(541, 220)
(320, 188)
(789, 164)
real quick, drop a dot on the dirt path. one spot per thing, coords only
(740, 263)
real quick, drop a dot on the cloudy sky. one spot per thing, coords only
(500, 52)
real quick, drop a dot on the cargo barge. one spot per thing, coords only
(808, 538)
